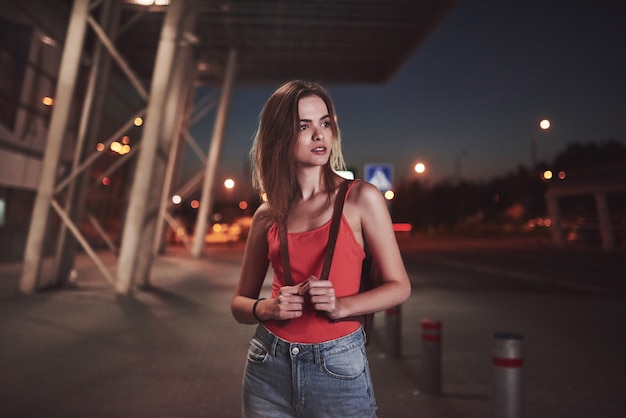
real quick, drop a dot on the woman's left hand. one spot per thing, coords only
(321, 294)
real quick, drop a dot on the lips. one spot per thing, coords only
(319, 149)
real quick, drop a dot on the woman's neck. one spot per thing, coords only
(310, 183)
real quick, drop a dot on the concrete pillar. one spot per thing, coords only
(68, 74)
(206, 199)
(136, 225)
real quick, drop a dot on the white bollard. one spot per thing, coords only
(507, 386)
(430, 372)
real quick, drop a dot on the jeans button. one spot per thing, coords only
(295, 351)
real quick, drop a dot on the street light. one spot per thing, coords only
(544, 125)
(151, 2)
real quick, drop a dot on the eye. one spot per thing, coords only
(303, 127)
(326, 124)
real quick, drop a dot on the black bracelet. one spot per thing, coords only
(254, 309)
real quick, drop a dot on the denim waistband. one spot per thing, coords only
(276, 346)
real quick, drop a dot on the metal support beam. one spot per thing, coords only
(103, 235)
(121, 62)
(167, 159)
(97, 154)
(173, 223)
(199, 109)
(68, 74)
(79, 237)
(89, 126)
(206, 200)
(136, 225)
(173, 164)
(604, 219)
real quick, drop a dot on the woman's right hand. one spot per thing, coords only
(288, 304)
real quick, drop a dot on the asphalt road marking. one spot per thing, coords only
(516, 274)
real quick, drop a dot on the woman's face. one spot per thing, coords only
(315, 133)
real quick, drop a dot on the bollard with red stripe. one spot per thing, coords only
(508, 362)
(393, 320)
(430, 371)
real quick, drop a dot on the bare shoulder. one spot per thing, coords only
(262, 220)
(365, 195)
(261, 212)
(365, 208)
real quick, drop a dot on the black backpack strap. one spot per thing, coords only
(332, 238)
(334, 229)
(284, 253)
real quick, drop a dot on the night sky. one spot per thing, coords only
(474, 92)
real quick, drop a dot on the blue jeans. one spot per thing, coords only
(330, 379)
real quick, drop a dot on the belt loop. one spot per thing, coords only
(316, 354)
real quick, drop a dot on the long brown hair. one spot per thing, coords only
(273, 152)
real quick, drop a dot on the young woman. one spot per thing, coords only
(301, 363)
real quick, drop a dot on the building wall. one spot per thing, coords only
(31, 40)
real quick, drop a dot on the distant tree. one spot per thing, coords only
(514, 197)
(577, 156)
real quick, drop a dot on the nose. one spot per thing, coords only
(318, 135)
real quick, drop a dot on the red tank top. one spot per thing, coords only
(306, 255)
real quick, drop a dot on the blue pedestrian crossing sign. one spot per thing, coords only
(380, 175)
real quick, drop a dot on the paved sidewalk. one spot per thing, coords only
(175, 351)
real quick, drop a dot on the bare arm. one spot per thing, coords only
(366, 208)
(288, 304)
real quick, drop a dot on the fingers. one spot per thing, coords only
(322, 295)
(289, 303)
(291, 299)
